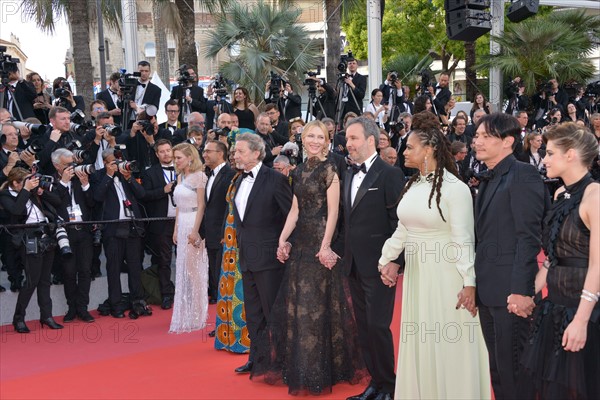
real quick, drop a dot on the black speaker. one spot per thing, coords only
(469, 29)
(461, 15)
(451, 5)
(522, 9)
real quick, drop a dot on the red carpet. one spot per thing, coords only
(131, 359)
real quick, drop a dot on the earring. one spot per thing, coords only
(426, 168)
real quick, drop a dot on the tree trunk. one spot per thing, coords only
(82, 58)
(187, 40)
(470, 72)
(162, 49)
(333, 14)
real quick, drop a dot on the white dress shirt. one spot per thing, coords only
(241, 198)
(357, 179)
(211, 179)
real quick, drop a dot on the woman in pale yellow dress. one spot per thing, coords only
(442, 353)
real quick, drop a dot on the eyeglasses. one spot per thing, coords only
(272, 112)
(210, 151)
(172, 111)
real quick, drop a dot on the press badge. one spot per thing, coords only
(74, 212)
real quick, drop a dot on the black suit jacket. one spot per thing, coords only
(24, 95)
(508, 223)
(196, 93)
(104, 192)
(156, 201)
(210, 112)
(372, 219)
(152, 95)
(106, 97)
(355, 103)
(441, 99)
(85, 200)
(216, 208)
(268, 205)
(339, 145)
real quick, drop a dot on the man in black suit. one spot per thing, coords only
(507, 249)
(272, 141)
(19, 96)
(111, 97)
(262, 202)
(77, 203)
(324, 105)
(523, 119)
(280, 127)
(337, 143)
(215, 158)
(371, 189)
(440, 94)
(357, 86)
(158, 182)
(140, 140)
(146, 93)
(57, 136)
(289, 103)
(189, 96)
(119, 194)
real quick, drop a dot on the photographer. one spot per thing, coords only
(106, 134)
(28, 202)
(58, 135)
(549, 97)
(553, 118)
(357, 84)
(324, 105)
(42, 101)
(119, 193)
(188, 95)
(140, 142)
(146, 93)
(396, 104)
(63, 96)
(288, 103)
(515, 93)
(265, 131)
(10, 155)
(217, 103)
(280, 127)
(77, 204)
(112, 98)
(19, 96)
(440, 95)
(173, 124)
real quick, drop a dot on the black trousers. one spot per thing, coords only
(37, 275)
(260, 290)
(373, 304)
(11, 258)
(505, 335)
(215, 257)
(77, 269)
(162, 254)
(117, 250)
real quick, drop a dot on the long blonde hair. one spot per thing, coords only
(189, 151)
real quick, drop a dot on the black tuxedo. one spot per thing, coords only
(160, 233)
(106, 97)
(368, 223)
(508, 219)
(212, 225)
(355, 103)
(198, 103)
(267, 207)
(45, 155)
(441, 99)
(151, 97)
(23, 97)
(327, 100)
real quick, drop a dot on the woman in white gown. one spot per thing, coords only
(190, 308)
(442, 353)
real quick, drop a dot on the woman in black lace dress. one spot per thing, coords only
(563, 352)
(311, 341)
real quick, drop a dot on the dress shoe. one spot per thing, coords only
(117, 314)
(85, 316)
(15, 286)
(70, 315)
(212, 333)
(383, 396)
(167, 303)
(2, 289)
(20, 327)
(56, 280)
(370, 393)
(245, 369)
(51, 323)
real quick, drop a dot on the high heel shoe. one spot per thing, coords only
(50, 323)
(20, 327)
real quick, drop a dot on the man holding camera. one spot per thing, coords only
(393, 85)
(288, 102)
(77, 204)
(324, 105)
(357, 85)
(265, 131)
(188, 95)
(115, 187)
(112, 98)
(159, 182)
(19, 96)
(58, 135)
(515, 93)
(146, 92)
(440, 95)
(140, 143)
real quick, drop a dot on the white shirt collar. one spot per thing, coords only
(220, 166)
(370, 160)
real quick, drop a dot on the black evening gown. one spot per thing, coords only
(311, 341)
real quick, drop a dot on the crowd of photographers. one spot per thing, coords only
(65, 164)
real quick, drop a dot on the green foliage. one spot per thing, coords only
(408, 67)
(268, 39)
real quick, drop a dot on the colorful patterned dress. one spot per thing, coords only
(231, 331)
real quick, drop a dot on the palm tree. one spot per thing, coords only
(265, 39)
(552, 45)
(79, 14)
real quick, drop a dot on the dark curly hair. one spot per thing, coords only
(442, 154)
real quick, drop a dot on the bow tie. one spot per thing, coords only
(171, 126)
(168, 168)
(142, 84)
(209, 173)
(486, 175)
(247, 174)
(113, 92)
(358, 168)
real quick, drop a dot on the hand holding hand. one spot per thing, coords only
(283, 251)
(466, 299)
(194, 239)
(389, 274)
(521, 305)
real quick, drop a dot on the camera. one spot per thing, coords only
(396, 127)
(592, 89)
(113, 130)
(425, 81)
(220, 87)
(8, 63)
(79, 155)
(222, 132)
(343, 65)
(513, 87)
(192, 141)
(128, 84)
(87, 168)
(118, 151)
(393, 77)
(147, 126)
(36, 129)
(63, 241)
(547, 89)
(63, 90)
(277, 83)
(130, 166)
(184, 78)
(291, 150)
(311, 83)
(46, 181)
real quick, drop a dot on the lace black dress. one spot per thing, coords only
(311, 340)
(560, 374)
